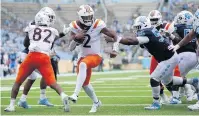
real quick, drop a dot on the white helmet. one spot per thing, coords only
(155, 17)
(184, 17)
(196, 20)
(42, 19)
(141, 22)
(86, 15)
(48, 11)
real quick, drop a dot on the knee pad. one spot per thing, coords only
(154, 83)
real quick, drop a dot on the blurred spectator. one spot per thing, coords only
(74, 60)
(116, 26)
(58, 7)
(12, 62)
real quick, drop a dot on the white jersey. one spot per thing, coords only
(41, 38)
(91, 44)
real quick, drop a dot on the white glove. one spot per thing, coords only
(66, 30)
(116, 47)
(173, 48)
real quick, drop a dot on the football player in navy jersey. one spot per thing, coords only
(150, 38)
(186, 40)
(31, 79)
(183, 25)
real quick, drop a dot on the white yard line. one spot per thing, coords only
(105, 91)
(109, 105)
(87, 96)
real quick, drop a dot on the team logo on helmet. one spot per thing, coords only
(152, 13)
(87, 8)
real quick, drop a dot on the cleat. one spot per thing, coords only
(175, 101)
(164, 99)
(190, 95)
(45, 102)
(10, 109)
(95, 107)
(73, 98)
(194, 107)
(23, 104)
(153, 106)
(66, 104)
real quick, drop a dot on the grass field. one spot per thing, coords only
(121, 94)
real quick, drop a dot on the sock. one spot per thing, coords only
(23, 97)
(155, 85)
(43, 94)
(187, 88)
(90, 92)
(176, 94)
(63, 95)
(12, 102)
(175, 91)
(81, 77)
(177, 80)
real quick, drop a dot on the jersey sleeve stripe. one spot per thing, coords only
(167, 26)
(74, 24)
(97, 22)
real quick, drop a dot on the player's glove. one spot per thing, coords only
(173, 48)
(66, 30)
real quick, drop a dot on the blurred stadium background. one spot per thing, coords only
(118, 14)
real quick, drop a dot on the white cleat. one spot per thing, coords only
(66, 104)
(195, 96)
(189, 92)
(95, 107)
(164, 99)
(194, 107)
(73, 98)
(175, 101)
(10, 109)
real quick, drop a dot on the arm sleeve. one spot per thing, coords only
(26, 42)
(143, 39)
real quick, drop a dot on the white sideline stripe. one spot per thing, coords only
(94, 73)
(87, 96)
(104, 87)
(116, 87)
(95, 91)
(82, 105)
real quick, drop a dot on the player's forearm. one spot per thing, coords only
(129, 41)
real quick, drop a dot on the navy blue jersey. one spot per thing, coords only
(197, 32)
(182, 30)
(157, 45)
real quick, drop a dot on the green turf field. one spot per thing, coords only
(121, 94)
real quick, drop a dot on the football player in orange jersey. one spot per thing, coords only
(86, 31)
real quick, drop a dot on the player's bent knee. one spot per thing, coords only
(154, 83)
(82, 65)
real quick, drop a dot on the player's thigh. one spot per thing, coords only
(25, 69)
(47, 73)
(164, 70)
(188, 61)
(92, 61)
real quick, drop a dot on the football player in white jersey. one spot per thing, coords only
(86, 31)
(194, 33)
(31, 79)
(41, 37)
